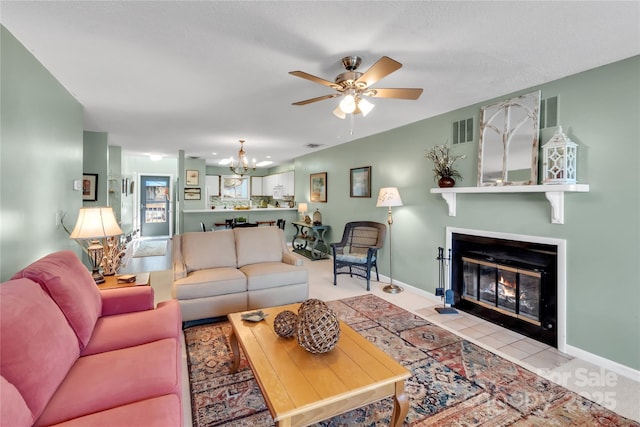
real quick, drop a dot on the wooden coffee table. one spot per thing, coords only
(301, 388)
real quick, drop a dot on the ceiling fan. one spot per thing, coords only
(354, 86)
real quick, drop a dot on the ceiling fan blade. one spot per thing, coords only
(319, 98)
(400, 93)
(380, 69)
(314, 79)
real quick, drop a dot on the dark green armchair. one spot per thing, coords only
(357, 253)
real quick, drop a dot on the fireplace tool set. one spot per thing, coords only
(447, 294)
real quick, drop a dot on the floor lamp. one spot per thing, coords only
(388, 197)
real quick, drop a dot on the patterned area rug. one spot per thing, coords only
(454, 382)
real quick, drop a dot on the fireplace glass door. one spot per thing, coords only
(511, 291)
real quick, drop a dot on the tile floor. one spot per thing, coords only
(614, 391)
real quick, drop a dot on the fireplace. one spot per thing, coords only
(508, 280)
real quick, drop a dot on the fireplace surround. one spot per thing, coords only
(516, 281)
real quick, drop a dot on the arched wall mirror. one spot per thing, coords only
(508, 152)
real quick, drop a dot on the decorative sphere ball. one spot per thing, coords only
(286, 324)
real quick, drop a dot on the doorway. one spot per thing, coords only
(155, 206)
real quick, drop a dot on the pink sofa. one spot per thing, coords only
(72, 355)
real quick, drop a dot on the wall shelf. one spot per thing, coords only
(553, 193)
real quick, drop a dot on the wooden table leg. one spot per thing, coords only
(233, 340)
(400, 405)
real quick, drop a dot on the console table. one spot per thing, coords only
(309, 240)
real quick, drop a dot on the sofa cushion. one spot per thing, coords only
(272, 275)
(13, 409)
(71, 286)
(115, 378)
(208, 250)
(210, 282)
(130, 329)
(161, 411)
(259, 244)
(38, 345)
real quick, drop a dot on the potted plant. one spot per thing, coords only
(444, 172)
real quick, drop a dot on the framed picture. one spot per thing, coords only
(192, 193)
(360, 182)
(192, 177)
(318, 187)
(90, 187)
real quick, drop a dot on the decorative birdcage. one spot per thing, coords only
(317, 218)
(559, 156)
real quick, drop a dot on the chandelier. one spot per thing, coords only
(241, 167)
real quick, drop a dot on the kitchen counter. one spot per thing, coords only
(227, 211)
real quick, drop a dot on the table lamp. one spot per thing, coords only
(94, 224)
(302, 209)
(388, 197)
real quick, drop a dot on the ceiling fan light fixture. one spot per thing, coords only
(365, 106)
(348, 104)
(353, 85)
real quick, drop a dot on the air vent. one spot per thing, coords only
(549, 112)
(314, 145)
(463, 131)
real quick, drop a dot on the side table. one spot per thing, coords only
(111, 282)
(309, 240)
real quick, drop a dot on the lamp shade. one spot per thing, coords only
(348, 104)
(302, 207)
(389, 196)
(365, 107)
(339, 113)
(94, 223)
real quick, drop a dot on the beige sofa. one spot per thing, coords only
(226, 271)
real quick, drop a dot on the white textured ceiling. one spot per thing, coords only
(161, 76)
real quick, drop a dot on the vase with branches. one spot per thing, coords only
(443, 161)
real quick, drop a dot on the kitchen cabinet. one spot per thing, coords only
(257, 188)
(267, 185)
(283, 183)
(288, 183)
(278, 185)
(212, 183)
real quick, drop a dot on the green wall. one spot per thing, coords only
(95, 160)
(41, 156)
(42, 153)
(599, 110)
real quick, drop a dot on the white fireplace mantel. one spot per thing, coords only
(553, 192)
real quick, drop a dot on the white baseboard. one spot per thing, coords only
(413, 289)
(616, 367)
